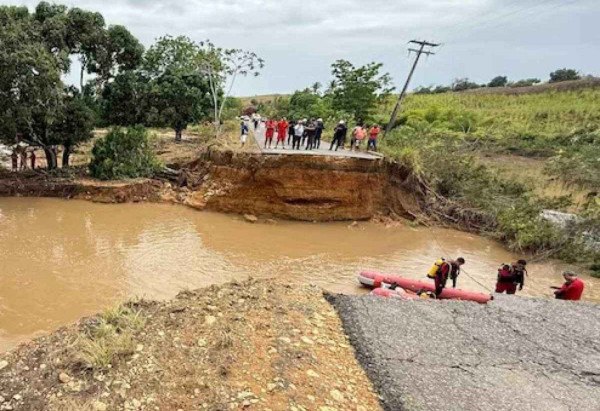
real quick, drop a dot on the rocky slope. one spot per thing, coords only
(253, 345)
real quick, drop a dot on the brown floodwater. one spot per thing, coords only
(63, 259)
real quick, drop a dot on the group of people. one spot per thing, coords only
(19, 160)
(510, 278)
(307, 133)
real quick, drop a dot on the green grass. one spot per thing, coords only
(109, 338)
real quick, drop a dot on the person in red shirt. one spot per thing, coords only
(282, 130)
(511, 276)
(448, 269)
(270, 132)
(571, 290)
(373, 135)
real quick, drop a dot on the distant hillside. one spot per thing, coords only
(247, 101)
(592, 82)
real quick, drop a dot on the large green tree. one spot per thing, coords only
(179, 94)
(35, 52)
(564, 75)
(357, 90)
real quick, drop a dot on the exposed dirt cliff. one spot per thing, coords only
(310, 188)
(313, 188)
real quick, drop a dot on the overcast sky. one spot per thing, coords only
(300, 39)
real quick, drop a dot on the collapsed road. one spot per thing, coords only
(512, 354)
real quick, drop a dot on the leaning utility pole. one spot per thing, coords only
(420, 51)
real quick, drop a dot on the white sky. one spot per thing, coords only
(300, 39)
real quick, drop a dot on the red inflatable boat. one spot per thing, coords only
(375, 280)
(398, 293)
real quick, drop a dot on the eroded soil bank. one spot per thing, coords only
(250, 345)
(309, 188)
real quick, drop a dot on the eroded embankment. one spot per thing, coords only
(309, 188)
(41, 185)
(250, 345)
(514, 353)
(312, 188)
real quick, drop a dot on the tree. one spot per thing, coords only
(423, 90)
(357, 90)
(177, 100)
(74, 123)
(30, 86)
(499, 81)
(222, 67)
(461, 84)
(125, 100)
(179, 94)
(35, 51)
(564, 75)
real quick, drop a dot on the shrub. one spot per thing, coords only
(123, 153)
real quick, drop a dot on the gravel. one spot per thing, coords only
(512, 354)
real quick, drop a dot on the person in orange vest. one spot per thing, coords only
(358, 135)
(270, 132)
(571, 290)
(373, 135)
(282, 129)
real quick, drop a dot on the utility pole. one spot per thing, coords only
(421, 50)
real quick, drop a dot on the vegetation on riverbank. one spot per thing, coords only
(467, 148)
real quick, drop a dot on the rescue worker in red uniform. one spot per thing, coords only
(511, 276)
(282, 129)
(448, 269)
(270, 132)
(571, 290)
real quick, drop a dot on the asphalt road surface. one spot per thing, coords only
(259, 136)
(512, 354)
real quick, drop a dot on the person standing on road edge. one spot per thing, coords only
(282, 129)
(291, 127)
(319, 132)
(358, 135)
(298, 133)
(339, 135)
(571, 290)
(270, 132)
(373, 135)
(445, 270)
(243, 133)
(14, 157)
(310, 130)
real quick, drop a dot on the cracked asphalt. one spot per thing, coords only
(512, 354)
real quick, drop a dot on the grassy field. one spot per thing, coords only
(500, 159)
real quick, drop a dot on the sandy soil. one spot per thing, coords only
(253, 345)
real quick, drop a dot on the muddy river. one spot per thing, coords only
(61, 260)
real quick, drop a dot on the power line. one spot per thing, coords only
(420, 51)
(501, 19)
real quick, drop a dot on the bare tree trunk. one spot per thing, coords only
(66, 156)
(51, 162)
